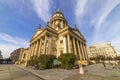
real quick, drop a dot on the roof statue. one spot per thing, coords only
(47, 23)
(39, 26)
(76, 27)
(58, 10)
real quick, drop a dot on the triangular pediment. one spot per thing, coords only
(78, 33)
(37, 33)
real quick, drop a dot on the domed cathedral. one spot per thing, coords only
(58, 21)
(57, 37)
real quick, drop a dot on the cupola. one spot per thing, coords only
(58, 20)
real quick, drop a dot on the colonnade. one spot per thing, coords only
(38, 47)
(79, 48)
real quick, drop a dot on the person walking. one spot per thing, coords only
(115, 65)
(104, 64)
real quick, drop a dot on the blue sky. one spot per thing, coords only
(98, 20)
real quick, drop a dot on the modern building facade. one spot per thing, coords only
(57, 37)
(103, 49)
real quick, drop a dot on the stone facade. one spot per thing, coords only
(57, 37)
(23, 58)
(104, 49)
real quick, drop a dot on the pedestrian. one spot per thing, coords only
(115, 65)
(104, 64)
(36, 66)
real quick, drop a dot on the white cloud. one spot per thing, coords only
(9, 43)
(13, 40)
(42, 8)
(109, 6)
(80, 9)
(107, 29)
(7, 49)
(116, 43)
(101, 20)
(104, 28)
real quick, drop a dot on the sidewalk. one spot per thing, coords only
(97, 72)
(51, 74)
(93, 72)
(31, 70)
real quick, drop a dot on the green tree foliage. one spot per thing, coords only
(92, 58)
(67, 60)
(45, 61)
(33, 60)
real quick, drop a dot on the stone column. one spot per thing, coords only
(78, 46)
(39, 52)
(82, 51)
(81, 57)
(86, 52)
(68, 40)
(49, 45)
(30, 51)
(66, 44)
(54, 24)
(33, 49)
(75, 51)
(44, 50)
(37, 47)
(72, 46)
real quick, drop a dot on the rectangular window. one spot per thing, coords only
(61, 41)
(61, 52)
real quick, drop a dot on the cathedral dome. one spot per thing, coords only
(58, 13)
(58, 20)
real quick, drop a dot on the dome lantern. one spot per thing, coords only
(58, 21)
